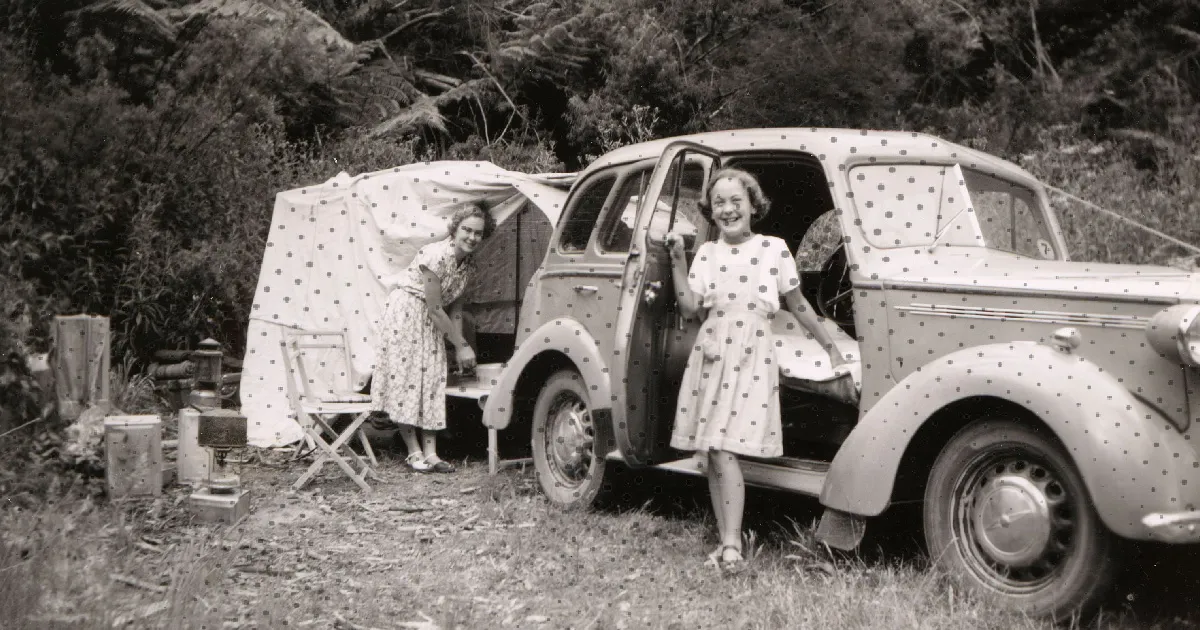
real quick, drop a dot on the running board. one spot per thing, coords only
(803, 476)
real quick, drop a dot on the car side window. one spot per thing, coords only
(616, 232)
(583, 213)
(898, 204)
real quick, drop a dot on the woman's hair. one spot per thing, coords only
(477, 209)
(759, 203)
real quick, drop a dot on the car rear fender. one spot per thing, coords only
(565, 338)
(1133, 461)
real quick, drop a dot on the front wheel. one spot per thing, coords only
(568, 445)
(1008, 517)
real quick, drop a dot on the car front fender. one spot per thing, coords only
(1133, 461)
(566, 338)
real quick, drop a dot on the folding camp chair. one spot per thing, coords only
(316, 403)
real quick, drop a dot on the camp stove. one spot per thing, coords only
(220, 496)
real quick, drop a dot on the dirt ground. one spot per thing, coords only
(470, 550)
(417, 551)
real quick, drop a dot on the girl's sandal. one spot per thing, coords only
(732, 565)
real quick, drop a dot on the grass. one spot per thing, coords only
(458, 551)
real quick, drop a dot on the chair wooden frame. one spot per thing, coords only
(312, 409)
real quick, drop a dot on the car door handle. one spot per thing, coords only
(652, 289)
(586, 288)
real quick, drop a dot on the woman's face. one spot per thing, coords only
(731, 208)
(469, 234)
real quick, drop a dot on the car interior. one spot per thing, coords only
(799, 195)
(813, 424)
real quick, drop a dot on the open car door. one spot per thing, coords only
(650, 334)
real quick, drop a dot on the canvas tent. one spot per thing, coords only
(334, 248)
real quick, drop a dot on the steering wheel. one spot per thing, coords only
(835, 294)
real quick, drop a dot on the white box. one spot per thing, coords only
(133, 453)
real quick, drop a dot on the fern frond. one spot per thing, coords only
(469, 89)
(423, 113)
(136, 10)
(439, 81)
(278, 13)
(368, 13)
(548, 43)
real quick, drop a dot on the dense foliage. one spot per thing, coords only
(142, 141)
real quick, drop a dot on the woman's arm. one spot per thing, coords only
(799, 306)
(456, 316)
(437, 310)
(451, 326)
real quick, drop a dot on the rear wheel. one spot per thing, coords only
(1008, 517)
(567, 443)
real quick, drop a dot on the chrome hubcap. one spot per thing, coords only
(1014, 522)
(569, 439)
(1012, 517)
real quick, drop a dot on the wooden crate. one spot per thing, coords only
(133, 453)
(80, 360)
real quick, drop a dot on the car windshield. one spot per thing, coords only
(924, 205)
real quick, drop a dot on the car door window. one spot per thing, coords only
(616, 232)
(583, 213)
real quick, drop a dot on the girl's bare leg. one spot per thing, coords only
(714, 491)
(733, 497)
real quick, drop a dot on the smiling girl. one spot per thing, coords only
(729, 397)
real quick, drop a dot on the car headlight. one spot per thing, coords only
(1175, 333)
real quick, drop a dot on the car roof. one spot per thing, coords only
(834, 144)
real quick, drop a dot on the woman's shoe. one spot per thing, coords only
(416, 461)
(440, 466)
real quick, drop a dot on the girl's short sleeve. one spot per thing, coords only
(785, 268)
(698, 275)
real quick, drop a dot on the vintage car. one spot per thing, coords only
(1039, 409)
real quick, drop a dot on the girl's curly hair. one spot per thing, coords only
(477, 209)
(759, 203)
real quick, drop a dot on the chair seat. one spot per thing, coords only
(324, 407)
(345, 397)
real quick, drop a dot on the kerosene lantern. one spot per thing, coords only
(206, 387)
(221, 497)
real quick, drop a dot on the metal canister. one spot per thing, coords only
(192, 461)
